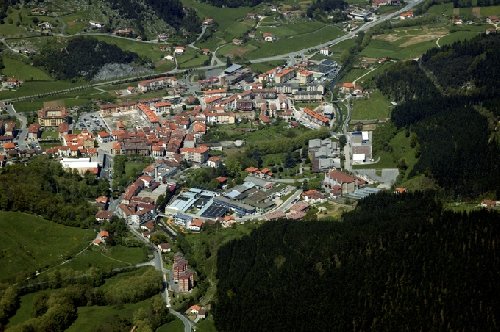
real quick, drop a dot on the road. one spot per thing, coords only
(23, 133)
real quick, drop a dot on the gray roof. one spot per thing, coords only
(232, 68)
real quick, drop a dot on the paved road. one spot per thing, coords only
(23, 133)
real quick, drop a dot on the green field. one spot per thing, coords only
(291, 38)
(36, 87)
(30, 243)
(90, 318)
(401, 149)
(110, 257)
(377, 106)
(192, 58)
(147, 50)
(174, 326)
(205, 325)
(23, 71)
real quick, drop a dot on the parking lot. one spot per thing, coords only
(93, 122)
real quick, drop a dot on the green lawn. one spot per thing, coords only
(111, 257)
(377, 106)
(91, 318)
(23, 71)
(30, 243)
(50, 134)
(174, 326)
(191, 58)
(224, 17)
(441, 9)
(490, 11)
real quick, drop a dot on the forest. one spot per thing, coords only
(172, 12)
(450, 100)
(396, 263)
(319, 7)
(80, 57)
(4, 5)
(42, 187)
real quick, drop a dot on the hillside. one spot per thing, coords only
(397, 263)
(449, 100)
(30, 242)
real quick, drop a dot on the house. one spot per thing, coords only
(103, 216)
(195, 225)
(11, 83)
(268, 37)
(214, 162)
(489, 204)
(406, 15)
(103, 235)
(324, 51)
(34, 131)
(102, 202)
(237, 42)
(196, 312)
(179, 50)
(337, 183)
(164, 247)
(104, 137)
(312, 196)
(208, 21)
(96, 25)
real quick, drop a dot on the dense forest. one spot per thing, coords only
(42, 187)
(234, 3)
(171, 11)
(319, 7)
(450, 100)
(396, 263)
(80, 57)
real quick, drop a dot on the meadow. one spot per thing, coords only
(377, 106)
(30, 243)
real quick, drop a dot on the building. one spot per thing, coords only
(337, 183)
(325, 51)
(52, 116)
(81, 165)
(156, 83)
(268, 37)
(283, 76)
(197, 155)
(406, 15)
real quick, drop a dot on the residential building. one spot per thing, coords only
(52, 116)
(337, 183)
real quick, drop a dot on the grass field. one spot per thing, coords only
(290, 38)
(377, 106)
(265, 66)
(205, 325)
(174, 326)
(36, 87)
(150, 51)
(400, 150)
(191, 58)
(117, 256)
(23, 71)
(90, 318)
(30, 243)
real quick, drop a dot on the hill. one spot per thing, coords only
(449, 100)
(30, 243)
(42, 187)
(397, 263)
